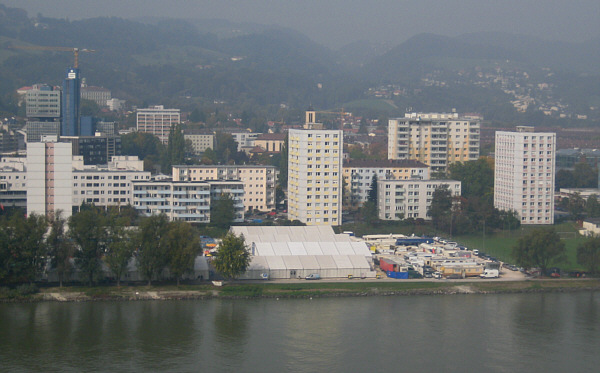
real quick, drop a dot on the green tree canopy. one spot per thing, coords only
(232, 257)
(153, 255)
(122, 241)
(440, 209)
(87, 229)
(540, 248)
(588, 254)
(184, 245)
(222, 212)
(477, 177)
(373, 190)
(60, 247)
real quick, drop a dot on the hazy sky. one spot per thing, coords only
(337, 22)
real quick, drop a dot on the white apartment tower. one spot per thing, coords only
(435, 139)
(158, 121)
(315, 176)
(524, 174)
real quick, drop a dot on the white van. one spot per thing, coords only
(490, 273)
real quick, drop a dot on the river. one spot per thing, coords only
(549, 332)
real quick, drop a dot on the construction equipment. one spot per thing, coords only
(58, 49)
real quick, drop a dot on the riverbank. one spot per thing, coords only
(242, 290)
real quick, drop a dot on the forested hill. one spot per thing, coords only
(190, 63)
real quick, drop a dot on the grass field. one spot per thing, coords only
(500, 244)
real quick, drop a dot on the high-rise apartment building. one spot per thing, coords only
(158, 121)
(434, 139)
(524, 174)
(315, 176)
(71, 97)
(49, 178)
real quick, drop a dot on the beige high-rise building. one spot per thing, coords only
(315, 175)
(434, 139)
(524, 174)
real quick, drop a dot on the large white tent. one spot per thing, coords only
(296, 252)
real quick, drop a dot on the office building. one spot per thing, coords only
(434, 139)
(358, 175)
(524, 174)
(158, 121)
(401, 199)
(71, 96)
(43, 102)
(99, 95)
(315, 176)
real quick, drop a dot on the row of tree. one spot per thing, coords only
(543, 247)
(31, 245)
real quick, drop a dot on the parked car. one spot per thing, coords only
(313, 276)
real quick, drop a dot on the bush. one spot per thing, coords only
(252, 291)
(27, 289)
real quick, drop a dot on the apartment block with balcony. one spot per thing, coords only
(315, 176)
(401, 199)
(259, 181)
(435, 139)
(524, 174)
(185, 200)
(358, 175)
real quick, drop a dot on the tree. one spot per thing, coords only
(232, 258)
(184, 245)
(197, 116)
(576, 206)
(22, 247)
(539, 248)
(222, 212)
(477, 177)
(588, 254)
(592, 206)
(60, 247)
(121, 243)
(440, 209)
(283, 165)
(87, 229)
(373, 190)
(175, 148)
(152, 256)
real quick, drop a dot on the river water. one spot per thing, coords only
(467, 333)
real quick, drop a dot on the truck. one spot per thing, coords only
(490, 273)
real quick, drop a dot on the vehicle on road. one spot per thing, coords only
(490, 273)
(313, 276)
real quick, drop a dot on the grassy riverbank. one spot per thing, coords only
(298, 290)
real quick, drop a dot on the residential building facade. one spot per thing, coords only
(158, 121)
(185, 200)
(259, 181)
(315, 176)
(524, 174)
(435, 139)
(401, 199)
(49, 178)
(200, 140)
(358, 175)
